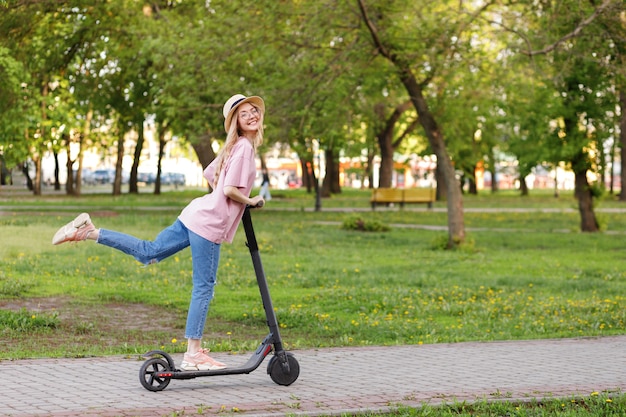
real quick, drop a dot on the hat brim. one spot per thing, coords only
(256, 101)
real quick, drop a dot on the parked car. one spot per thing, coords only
(107, 176)
(172, 178)
(103, 176)
(146, 178)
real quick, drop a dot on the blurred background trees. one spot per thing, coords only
(537, 83)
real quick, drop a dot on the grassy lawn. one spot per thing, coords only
(596, 404)
(522, 275)
(525, 273)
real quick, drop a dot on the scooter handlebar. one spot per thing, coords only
(258, 205)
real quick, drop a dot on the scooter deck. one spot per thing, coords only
(252, 364)
(175, 373)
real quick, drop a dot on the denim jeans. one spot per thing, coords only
(205, 256)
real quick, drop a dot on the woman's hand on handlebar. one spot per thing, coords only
(257, 202)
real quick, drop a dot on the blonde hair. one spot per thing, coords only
(232, 137)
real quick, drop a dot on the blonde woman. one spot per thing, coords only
(203, 225)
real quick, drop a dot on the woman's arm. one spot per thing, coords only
(235, 194)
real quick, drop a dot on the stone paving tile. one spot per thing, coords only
(332, 381)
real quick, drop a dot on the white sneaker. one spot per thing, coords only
(200, 361)
(75, 231)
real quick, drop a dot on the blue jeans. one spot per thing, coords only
(205, 256)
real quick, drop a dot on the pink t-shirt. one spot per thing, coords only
(214, 216)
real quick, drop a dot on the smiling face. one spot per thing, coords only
(249, 119)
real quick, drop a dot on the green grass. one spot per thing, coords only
(597, 404)
(519, 277)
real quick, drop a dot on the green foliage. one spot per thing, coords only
(25, 321)
(360, 223)
(441, 243)
(598, 190)
(11, 287)
(594, 405)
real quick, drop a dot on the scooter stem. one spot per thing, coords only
(253, 246)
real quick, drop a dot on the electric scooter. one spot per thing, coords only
(157, 371)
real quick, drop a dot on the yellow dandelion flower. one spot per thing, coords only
(174, 340)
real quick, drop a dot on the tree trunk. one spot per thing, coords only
(622, 141)
(162, 143)
(204, 150)
(442, 190)
(117, 182)
(57, 170)
(494, 179)
(456, 223)
(523, 187)
(473, 186)
(385, 172)
(588, 222)
(386, 143)
(330, 184)
(3, 171)
(584, 193)
(69, 183)
(26, 172)
(133, 188)
(38, 177)
(307, 177)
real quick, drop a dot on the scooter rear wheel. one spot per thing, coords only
(277, 374)
(148, 371)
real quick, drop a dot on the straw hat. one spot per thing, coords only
(236, 101)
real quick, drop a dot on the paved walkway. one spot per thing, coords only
(331, 382)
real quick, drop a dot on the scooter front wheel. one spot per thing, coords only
(148, 374)
(278, 374)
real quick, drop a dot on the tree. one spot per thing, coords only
(13, 111)
(584, 87)
(380, 23)
(387, 138)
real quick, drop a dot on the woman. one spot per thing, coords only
(203, 225)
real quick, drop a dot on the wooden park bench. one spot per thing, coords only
(403, 196)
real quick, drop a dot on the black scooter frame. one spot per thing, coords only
(283, 368)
